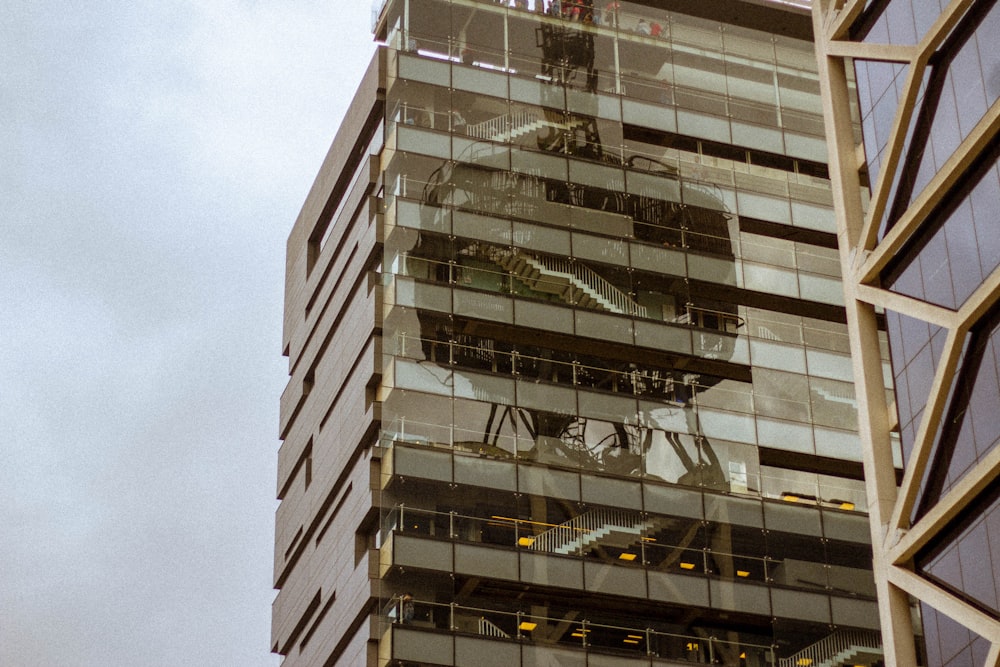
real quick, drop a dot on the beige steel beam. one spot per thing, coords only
(946, 178)
(982, 624)
(982, 475)
(928, 312)
(993, 657)
(924, 441)
(873, 411)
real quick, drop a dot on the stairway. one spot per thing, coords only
(490, 629)
(612, 527)
(508, 127)
(574, 283)
(844, 647)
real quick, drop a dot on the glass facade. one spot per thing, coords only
(617, 400)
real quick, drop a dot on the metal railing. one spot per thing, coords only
(574, 629)
(618, 300)
(506, 127)
(601, 536)
(519, 448)
(832, 650)
(675, 388)
(580, 531)
(582, 279)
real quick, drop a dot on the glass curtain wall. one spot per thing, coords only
(609, 255)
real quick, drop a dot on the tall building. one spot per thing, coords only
(917, 205)
(570, 374)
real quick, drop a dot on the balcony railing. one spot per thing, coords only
(628, 539)
(573, 629)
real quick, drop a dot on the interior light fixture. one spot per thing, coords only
(527, 626)
(687, 566)
(742, 573)
(626, 556)
(525, 541)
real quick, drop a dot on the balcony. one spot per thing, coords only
(452, 634)
(628, 554)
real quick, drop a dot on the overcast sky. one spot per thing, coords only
(154, 157)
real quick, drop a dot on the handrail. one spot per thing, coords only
(581, 272)
(579, 631)
(412, 432)
(505, 127)
(582, 529)
(575, 536)
(823, 652)
(641, 381)
(580, 275)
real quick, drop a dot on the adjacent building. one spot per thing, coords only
(917, 205)
(570, 380)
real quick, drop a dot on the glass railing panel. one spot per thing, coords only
(812, 216)
(770, 279)
(540, 630)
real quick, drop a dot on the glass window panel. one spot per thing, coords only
(823, 290)
(597, 175)
(768, 354)
(767, 250)
(659, 186)
(752, 81)
(601, 250)
(648, 115)
(543, 481)
(485, 228)
(784, 435)
(729, 425)
(834, 367)
(432, 426)
(806, 147)
(823, 261)
(437, 144)
(704, 126)
(778, 394)
(485, 306)
(479, 80)
(762, 207)
(673, 502)
(611, 492)
(672, 338)
(535, 395)
(544, 316)
(482, 387)
(475, 431)
(820, 218)
(556, 241)
(528, 90)
(795, 53)
(756, 136)
(477, 34)
(536, 162)
(833, 403)
(837, 443)
(423, 69)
